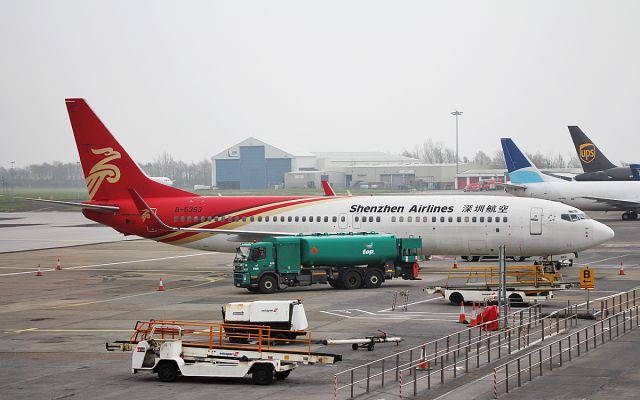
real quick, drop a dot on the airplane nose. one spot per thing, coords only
(601, 232)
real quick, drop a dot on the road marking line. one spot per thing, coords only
(116, 263)
(605, 259)
(209, 280)
(410, 304)
(29, 330)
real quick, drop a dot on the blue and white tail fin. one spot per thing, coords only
(521, 169)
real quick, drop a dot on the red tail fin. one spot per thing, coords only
(328, 190)
(108, 169)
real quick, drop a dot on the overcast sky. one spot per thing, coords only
(194, 77)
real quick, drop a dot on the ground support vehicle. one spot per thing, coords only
(286, 317)
(345, 261)
(174, 348)
(524, 284)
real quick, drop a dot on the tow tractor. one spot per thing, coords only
(173, 348)
(524, 284)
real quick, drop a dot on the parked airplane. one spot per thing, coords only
(595, 164)
(124, 198)
(527, 181)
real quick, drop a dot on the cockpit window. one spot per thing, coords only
(573, 216)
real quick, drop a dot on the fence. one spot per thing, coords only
(443, 357)
(567, 348)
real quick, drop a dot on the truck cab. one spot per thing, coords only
(251, 260)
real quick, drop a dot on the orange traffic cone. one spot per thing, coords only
(423, 363)
(621, 271)
(474, 316)
(161, 286)
(58, 266)
(455, 263)
(462, 318)
(39, 273)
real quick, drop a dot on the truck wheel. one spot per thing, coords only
(456, 298)
(262, 374)
(282, 375)
(354, 347)
(167, 371)
(268, 284)
(351, 280)
(373, 279)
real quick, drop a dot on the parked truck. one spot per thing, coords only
(345, 261)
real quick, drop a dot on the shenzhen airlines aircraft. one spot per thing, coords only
(123, 198)
(528, 181)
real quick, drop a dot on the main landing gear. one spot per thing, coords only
(629, 216)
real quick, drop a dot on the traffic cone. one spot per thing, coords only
(39, 273)
(423, 363)
(161, 286)
(462, 318)
(621, 270)
(455, 263)
(58, 266)
(474, 316)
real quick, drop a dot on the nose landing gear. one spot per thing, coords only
(629, 216)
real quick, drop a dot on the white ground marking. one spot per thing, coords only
(604, 259)
(114, 263)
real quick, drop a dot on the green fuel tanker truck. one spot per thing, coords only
(344, 261)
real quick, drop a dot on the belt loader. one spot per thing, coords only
(174, 348)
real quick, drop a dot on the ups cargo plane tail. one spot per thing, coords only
(595, 164)
(124, 198)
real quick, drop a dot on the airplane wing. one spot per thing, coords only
(141, 204)
(620, 203)
(94, 207)
(328, 190)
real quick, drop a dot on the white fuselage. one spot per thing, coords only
(576, 193)
(449, 225)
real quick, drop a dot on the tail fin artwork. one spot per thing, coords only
(109, 171)
(521, 169)
(591, 158)
(328, 190)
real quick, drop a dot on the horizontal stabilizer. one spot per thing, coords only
(94, 207)
(620, 203)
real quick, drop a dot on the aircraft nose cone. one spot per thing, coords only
(602, 233)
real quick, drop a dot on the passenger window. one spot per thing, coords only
(481, 219)
(441, 219)
(189, 218)
(297, 218)
(377, 219)
(343, 218)
(370, 219)
(202, 218)
(251, 219)
(489, 219)
(259, 218)
(326, 219)
(459, 219)
(209, 218)
(400, 219)
(244, 219)
(182, 219)
(175, 219)
(425, 219)
(474, 219)
(466, 219)
(282, 218)
(356, 219)
(334, 219)
(289, 218)
(504, 219)
(450, 219)
(434, 219)
(393, 219)
(497, 219)
(409, 219)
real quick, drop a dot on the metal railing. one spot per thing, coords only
(471, 345)
(558, 352)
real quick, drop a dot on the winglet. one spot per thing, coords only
(328, 190)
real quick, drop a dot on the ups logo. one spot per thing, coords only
(587, 152)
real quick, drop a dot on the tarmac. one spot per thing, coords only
(53, 328)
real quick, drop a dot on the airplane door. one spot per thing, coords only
(356, 221)
(343, 222)
(535, 221)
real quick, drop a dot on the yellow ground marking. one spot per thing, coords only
(209, 281)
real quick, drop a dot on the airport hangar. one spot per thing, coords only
(256, 164)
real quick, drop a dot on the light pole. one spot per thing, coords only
(12, 183)
(457, 113)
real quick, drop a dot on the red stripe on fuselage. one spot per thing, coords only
(259, 209)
